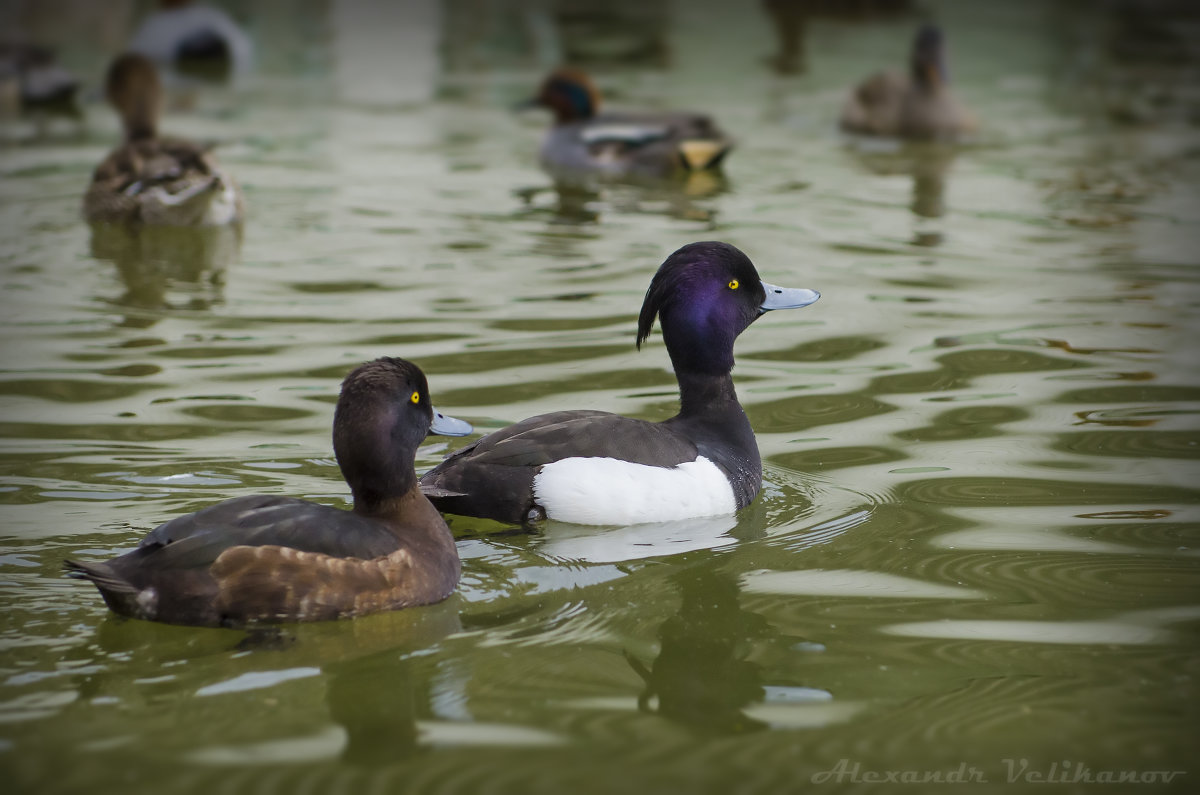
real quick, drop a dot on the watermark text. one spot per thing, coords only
(1065, 771)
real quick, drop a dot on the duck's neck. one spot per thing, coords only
(712, 418)
(929, 74)
(404, 502)
(574, 103)
(570, 116)
(379, 489)
(704, 393)
(141, 121)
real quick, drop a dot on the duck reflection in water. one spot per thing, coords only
(928, 164)
(584, 201)
(375, 701)
(378, 687)
(702, 677)
(153, 262)
(789, 20)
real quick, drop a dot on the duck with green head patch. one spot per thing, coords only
(583, 140)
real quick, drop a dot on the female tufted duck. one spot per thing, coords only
(270, 559)
(592, 467)
(919, 106)
(585, 141)
(153, 180)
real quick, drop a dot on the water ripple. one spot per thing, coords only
(1143, 627)
(1131, 444)
(870, 584)
(801, 412)
(955, 491)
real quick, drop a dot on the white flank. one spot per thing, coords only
(223, 208)
(611, 491)
(195, 205)
(599, 133)
(147, 602)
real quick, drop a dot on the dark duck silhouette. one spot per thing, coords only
(916, 106)
(592, 467)
(32, 78)
(273, 559)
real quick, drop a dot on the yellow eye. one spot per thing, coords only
(416, 397)
(733, 284)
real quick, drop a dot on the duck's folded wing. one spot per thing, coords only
(638, 129)
(281, 583)
(579, 434)
(630, 132)
(197, 539)
(615, 437)
(172, 171)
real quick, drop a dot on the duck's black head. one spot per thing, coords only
(705, 295)
(383, 414)
(569, 94)
(928, 60)
(133, 88)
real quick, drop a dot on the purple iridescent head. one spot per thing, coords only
(705, 295)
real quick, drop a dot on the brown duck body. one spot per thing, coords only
(272, 559)
(156, 180)
(162, 181)
(917, 106)
(891, 104)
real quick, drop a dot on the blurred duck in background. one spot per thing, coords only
(31, 78)
(584, 141)
(916, 106)
(193, 41)
(790, 19)
(153, 180)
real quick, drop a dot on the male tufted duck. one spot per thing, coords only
(919, 106)
(153, 180)
(193, 40)
(583, 140)
(269, 558)
(592, 467)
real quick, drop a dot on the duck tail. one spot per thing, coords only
(698, 154)
(101, 575)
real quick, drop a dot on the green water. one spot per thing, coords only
(976, 547)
